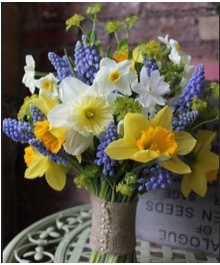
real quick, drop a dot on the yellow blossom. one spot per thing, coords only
(52, 137)
(145, 140)
(120, 56)
(39, 165)
(203, 164)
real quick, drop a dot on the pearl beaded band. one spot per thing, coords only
(113, 226)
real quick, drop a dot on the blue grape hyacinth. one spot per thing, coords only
(194, 89)
(150, 65)
(36, 114)
(87, 59)
(155, 178)
(103, 159)
(40, 147)
(18, 131)
(183, 120)
(61, 65)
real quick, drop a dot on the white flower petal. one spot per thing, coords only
(143, 75)
(123, 87)
(58, 116)
(71, 88)
(109, 63)
(30, 61)
(76, 143)
(124, 66)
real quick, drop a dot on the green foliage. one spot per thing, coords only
(92, 10)
(74, 21)
(128, 185)
(152, 49)
(173, 75)
(25, 112)
(113, 26)
(214, 89)
(81, 181)
(199, 105)
(123, 105)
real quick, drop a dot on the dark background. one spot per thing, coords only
(37, 28)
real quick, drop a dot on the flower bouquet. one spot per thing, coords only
(128, 121)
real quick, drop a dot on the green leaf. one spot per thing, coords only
(123, 45)
(71, 63)
(138, 67)
(109, 52)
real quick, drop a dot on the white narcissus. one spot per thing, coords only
(28, 78)
(83, 112)
(48, 85)
(114, 76)
(151, 89)
(172, 44)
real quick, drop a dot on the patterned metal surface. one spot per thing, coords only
(64, 238)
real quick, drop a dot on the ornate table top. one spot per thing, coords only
(64, 238)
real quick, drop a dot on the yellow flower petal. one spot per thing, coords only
(55, 176)
(144, 156)
(121, 149)
(208, 161)
(195, 181)
(37, 167)
(185, 185)
(134, 124)
(176, 165)
(44, 103)
(163, 118)
(211, 175)
(185, 142)
(28, 155)
(204, 139)
(52, 137)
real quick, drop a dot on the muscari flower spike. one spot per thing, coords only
(87, 59)
(61, 65)
(150, 65)
(40, 147)
(36, 114)
(194, 89)
(18, 131)
(109, 165)
(183, 120)
(155, 178)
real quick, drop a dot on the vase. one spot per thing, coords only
(112, 237)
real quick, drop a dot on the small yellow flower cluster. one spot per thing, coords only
(113, 26)
(75, 20)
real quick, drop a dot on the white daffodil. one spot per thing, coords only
(188, 69)
(48, 85)
(177, 57)
(151, 89)
(83, 112)
(28, 78)
(172, 44)
(114, 76)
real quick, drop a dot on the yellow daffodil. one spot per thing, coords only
(39, 165)
(52, 137)
(203, 163)
(44, 103)
(145, 140)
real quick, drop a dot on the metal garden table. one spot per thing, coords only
(64, 238)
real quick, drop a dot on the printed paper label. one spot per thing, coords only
(167, 218)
